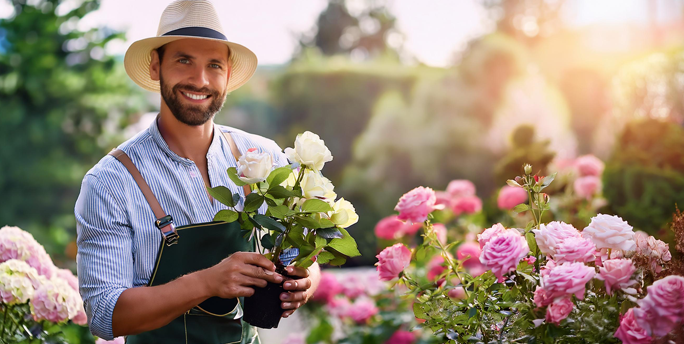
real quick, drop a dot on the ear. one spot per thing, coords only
(155, 65)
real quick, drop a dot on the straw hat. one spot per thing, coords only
(187, 19)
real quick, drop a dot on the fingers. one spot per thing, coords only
(261, 273)
(294, 271)
(297, 285)
(257, 259)
(287, 313)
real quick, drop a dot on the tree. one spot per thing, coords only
(63, 105)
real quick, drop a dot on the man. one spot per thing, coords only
(122, 229)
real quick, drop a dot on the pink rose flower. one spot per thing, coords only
(491, 233)
(630, 332)
(401, 337)
(609, 231)
(328, 288)
(443, 198)
(510, 196)
(568, 278)
(559, 310)
(663, 307)
(589, 165)
(586, 187)
(441, 232)
(466, 205)
(575, 249)
(411, 229)
(392, 261)
(503, 253)
(550, 265)
(389, 228)
(549, 236)
(657, 250)
(338, 306)
(617, 274)
(415, 205)
(461, 188)
(542, 297)
(361, 310)
(457, 293)
(435, 267)
(470, 252)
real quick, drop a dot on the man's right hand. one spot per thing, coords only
(236, 275)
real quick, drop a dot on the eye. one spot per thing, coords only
(215, 66)
(184, 61)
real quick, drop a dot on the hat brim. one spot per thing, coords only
(138, 58)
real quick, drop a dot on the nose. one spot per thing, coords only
(199, 77)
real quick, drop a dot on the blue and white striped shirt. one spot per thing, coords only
(117, 238)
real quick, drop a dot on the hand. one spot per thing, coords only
(236, 275)
(297, 288)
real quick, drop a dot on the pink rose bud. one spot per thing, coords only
(401, 337)
(559, 310)
(575, 249)
(457, 293)
(617, 274)
(663, 307)
(568, 278)
(510, 196)
(328, 288)
(491, 233)
(466, 205)
(461, 188)
(389, 228)
(392, 261)
(587, 187)
(503, 253)
(589, 165)
(630, 332)
(415, 205)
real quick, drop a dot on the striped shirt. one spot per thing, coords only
(117, 238)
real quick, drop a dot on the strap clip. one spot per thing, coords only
(170, 237)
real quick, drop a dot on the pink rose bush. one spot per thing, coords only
(663, 307)
(510, 196)
(401, 337)
(630, 332)
(392, 227)
(587, 187)
(328, 288)
(575, 249)
(559, 310)
(617, 274)
(589, 165)
(466, 205)
(551, 235)
(610, 231)
(460, 188)
(566, 279)
(416, 204)
(502, 253)
(392, 261)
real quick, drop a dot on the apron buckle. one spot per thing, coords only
(171, 237)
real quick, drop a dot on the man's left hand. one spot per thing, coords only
(297, 290)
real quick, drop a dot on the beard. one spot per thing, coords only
(190, 114)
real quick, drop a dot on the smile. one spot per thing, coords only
(196, 96)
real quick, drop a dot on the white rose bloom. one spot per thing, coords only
(309, 151)
(254, 167)
(314, 185)
(344, 214)
(609, 231)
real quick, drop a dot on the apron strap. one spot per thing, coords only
(236, 155)
(164, 222)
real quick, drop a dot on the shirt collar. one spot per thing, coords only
(214, 148)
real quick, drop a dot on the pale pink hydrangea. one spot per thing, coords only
(589, 165)
(18, 244)
(466, 205)
(338, 306)
(461, 188)
(567, 278)
(559, 310)
(610, 231)
(17, 281)
(617, 274)
(503, 253)
(328, 288)
(55, 301)
(117, 340)
(587, 187)
(575, 249)
(663, 307)
(492, 232)
(510, 196)
(401, 337)
(392, 261)
(361, 310)
(353, 286)
(65, 274)
(550, 235)
(416, 205)
(373, 284)
(630, 332)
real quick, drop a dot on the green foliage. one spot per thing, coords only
(525, 149)
(63, 104)
(644, 178)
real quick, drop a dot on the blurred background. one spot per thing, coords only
(404, 93)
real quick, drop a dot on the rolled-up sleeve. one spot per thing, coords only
(105, 259)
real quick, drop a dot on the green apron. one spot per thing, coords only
(187, 249)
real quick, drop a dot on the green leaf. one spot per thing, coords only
(325, 257)
(418, 311)
(321, 333)
(527, 277)
(278, 176)
(329, 233)
(316, 206)
(309, 259)
(280, 192)
(279, 211)
(236, 198)
(531, 241)
(521, 208)
(269, 223)
(308, 222)
(222, 194)
(472, 312)
(548, 179)
(253, 202)
(320, 242)
(267, 242)
(245, 222)
(296, 237)
(226, 215)
(232, 174)
(345, 245)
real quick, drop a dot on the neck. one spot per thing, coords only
(190, 142)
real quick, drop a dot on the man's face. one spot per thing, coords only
(193, 77)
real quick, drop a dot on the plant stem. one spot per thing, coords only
(4, 321)
(446, 257)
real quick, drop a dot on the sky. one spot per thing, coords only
(434, 30)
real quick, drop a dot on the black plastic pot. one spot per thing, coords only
(263, 309)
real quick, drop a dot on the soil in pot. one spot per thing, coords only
(263, 309)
